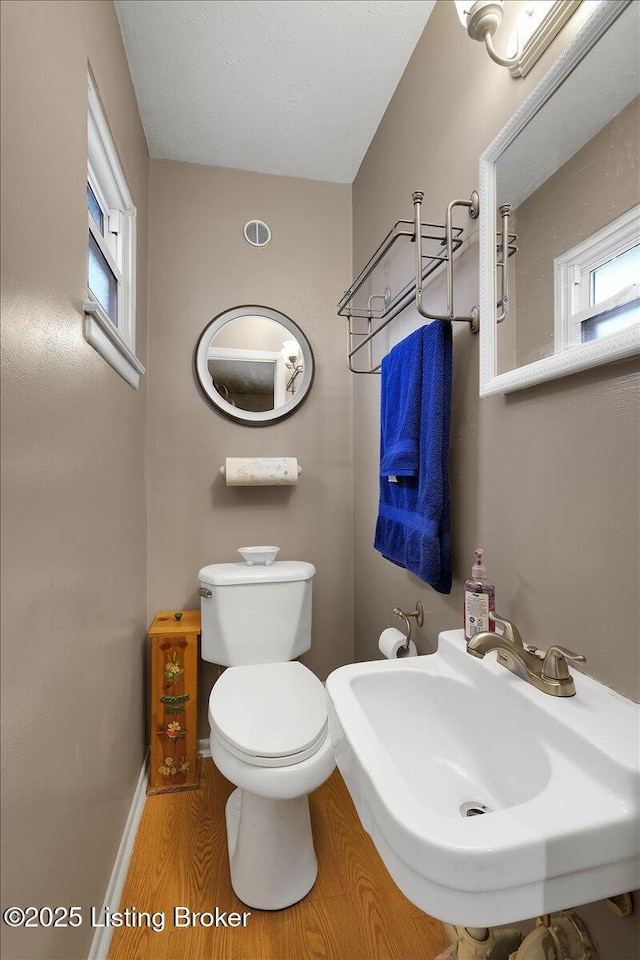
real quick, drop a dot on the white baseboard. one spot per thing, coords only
(102, 937)
(203, 747)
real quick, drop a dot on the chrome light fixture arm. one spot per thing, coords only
(482, 19)
(536, 26)
(495, 56)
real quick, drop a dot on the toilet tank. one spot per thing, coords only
(255, 614)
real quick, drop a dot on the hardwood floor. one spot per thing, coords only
(354, 911)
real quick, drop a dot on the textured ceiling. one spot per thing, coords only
(291, 87)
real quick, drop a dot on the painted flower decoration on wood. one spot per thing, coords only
(168, 769)
(173, 668)
(175, 732)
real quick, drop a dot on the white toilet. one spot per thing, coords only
(268, 724)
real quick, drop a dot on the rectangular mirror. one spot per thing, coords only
(560, 191)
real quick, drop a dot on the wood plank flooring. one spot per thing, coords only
(354, 911)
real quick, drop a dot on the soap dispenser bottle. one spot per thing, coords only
(479, 599)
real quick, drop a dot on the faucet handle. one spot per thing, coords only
(555, 665)
(511, 632)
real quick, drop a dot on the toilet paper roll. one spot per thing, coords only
(392, 643)
(261, 471)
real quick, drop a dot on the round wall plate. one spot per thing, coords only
(257, 233)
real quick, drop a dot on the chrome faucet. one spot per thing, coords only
(547, 670)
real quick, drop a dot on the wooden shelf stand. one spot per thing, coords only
(174, 761)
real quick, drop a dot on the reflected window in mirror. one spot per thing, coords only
(598, 284)
(254, 365)
(582, 215)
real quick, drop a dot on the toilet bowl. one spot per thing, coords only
(268, 720)
(269, 737)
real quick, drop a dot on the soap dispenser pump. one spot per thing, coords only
(479, 599)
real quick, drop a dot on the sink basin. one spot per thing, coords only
(489, 801)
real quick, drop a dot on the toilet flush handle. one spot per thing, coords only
(205, 592)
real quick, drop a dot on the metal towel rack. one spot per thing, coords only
(506, 249)
(443, 241)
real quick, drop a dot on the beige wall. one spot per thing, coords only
(200, 265)
(74, 531)
(546, 480)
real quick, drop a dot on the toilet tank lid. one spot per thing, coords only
(227, 574)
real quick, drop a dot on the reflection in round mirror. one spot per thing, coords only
(254, 365)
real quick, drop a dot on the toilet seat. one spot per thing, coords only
(269, 715)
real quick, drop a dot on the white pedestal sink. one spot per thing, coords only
(424, 742)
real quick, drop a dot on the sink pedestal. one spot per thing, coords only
(563, 937)
(497, 945)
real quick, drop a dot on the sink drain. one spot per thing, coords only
(473, 808)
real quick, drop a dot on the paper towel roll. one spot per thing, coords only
(392, 642)
(261, 471)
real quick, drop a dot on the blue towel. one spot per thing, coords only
(400, 409)
(413, 528)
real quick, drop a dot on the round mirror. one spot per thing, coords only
(254, 365)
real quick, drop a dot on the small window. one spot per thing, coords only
(598, 284)
(95, 209)
(111, 250)
(103, 283)
(615, 275)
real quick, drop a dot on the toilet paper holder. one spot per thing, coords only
(417, 615)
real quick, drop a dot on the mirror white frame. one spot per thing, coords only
(614, 347)
(251, 418)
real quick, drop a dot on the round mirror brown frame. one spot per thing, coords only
(251, 418)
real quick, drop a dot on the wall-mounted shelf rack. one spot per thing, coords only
(435, 246)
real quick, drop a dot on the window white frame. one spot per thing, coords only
(114, 341)
(572, 273)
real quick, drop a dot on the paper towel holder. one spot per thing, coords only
(417, 614)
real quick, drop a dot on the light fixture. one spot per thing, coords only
(481, 19)
(538, 24)
(290, 353)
